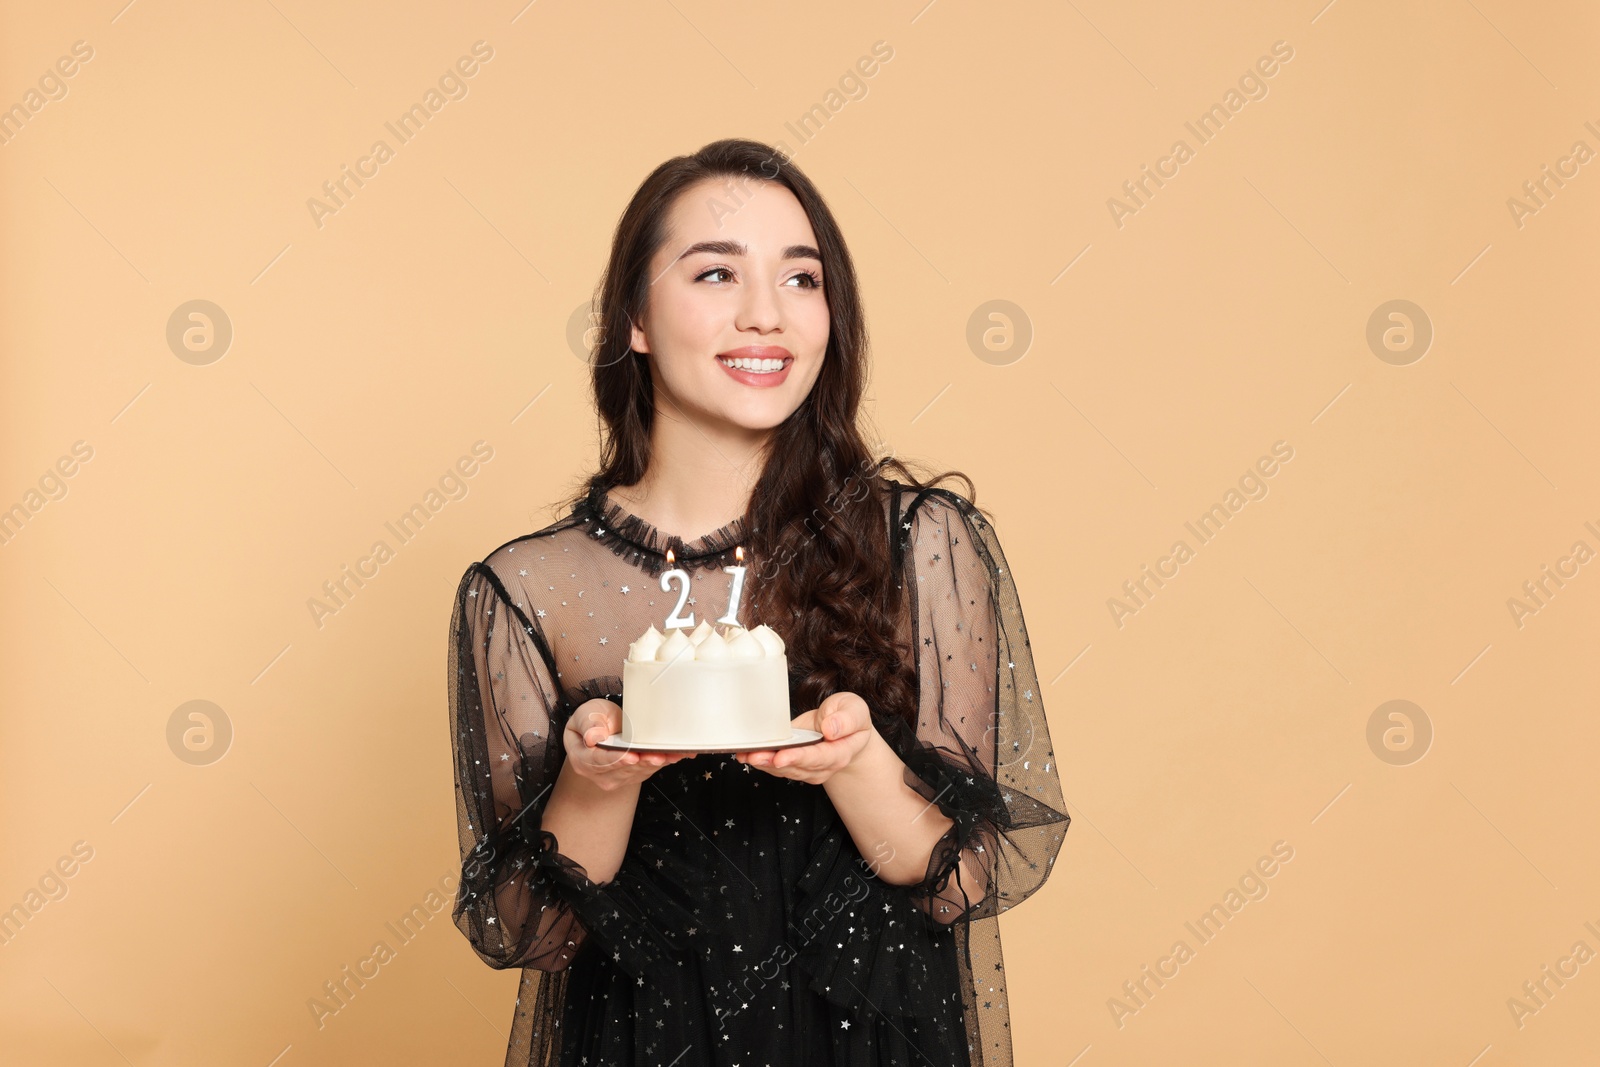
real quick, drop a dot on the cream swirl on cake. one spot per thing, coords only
(724, 688)
(706, 643)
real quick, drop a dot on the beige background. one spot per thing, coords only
(1168, 354)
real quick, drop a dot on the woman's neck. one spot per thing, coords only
(700, 477)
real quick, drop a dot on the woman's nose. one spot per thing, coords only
(759, 309)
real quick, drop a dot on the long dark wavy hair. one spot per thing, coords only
(818, 509)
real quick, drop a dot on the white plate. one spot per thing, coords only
(798, 737)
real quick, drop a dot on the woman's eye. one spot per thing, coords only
(812, 280)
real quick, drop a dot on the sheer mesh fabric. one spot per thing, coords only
(743, 925)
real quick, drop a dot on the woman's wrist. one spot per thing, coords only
(876, 762)
(588, 792)
(591, 824)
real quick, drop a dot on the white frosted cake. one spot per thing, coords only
(720, 689)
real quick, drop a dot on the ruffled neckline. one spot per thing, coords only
(627, 533)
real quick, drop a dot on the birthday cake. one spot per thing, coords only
(717, 688)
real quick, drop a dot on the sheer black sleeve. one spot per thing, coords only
(516, 898)
(982, 751)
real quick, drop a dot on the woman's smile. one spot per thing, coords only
(762, 366)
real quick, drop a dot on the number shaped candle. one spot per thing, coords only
(738, 587)
(676, 621)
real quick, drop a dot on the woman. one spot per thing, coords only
(833, 903)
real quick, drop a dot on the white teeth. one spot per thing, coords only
(758, 366)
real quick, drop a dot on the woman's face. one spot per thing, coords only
(738, 278)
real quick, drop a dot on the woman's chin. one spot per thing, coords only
(757, 417)
(757, 425)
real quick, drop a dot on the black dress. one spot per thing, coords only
(744, 926)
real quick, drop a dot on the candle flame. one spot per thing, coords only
(738, 554)
(669, 557)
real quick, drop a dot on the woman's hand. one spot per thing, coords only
(593, 722)
(845, 722)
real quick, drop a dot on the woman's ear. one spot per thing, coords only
(637, 339)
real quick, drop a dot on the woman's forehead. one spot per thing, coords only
(763, 218)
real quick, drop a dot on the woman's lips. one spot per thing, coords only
(765, 380)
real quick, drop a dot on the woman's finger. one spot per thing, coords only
(797, 758)
(845, 718)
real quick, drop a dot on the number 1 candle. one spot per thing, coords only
(738, 587)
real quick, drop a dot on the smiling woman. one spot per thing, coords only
(758, 294)
(718, 907)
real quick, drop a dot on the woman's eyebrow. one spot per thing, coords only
(738, 248)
